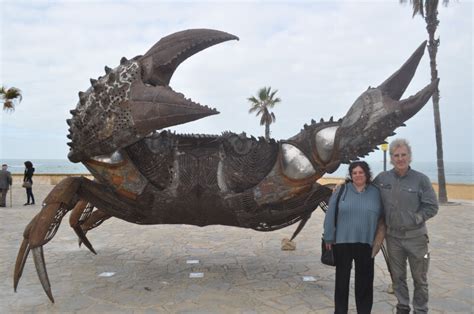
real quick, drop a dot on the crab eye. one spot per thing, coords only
(113, 158)
(325, 142)
(295, 164)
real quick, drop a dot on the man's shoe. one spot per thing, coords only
(32, 203)
(26, 204)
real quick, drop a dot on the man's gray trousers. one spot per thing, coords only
(416, 251)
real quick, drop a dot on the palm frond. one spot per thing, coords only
(8, 96)
(260, 111)
(272, 94)
(8, 105)
(272, 102)
(418, 7)
(13, 93)
(263, 94)
(254, 108)
(253, 100)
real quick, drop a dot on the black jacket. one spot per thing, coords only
(28, 175)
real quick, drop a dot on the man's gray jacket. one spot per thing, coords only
(5, 179)
(409, 201)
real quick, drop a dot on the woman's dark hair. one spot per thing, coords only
(28, 164)
(364, 166)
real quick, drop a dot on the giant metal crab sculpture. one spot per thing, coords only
(146, 177)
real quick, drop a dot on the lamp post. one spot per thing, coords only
(384, 148)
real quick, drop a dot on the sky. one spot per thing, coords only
(319, 55)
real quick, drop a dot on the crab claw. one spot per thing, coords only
(20, 262)
(160, 62)
(378, 111)
(38, 258)
(134, 99)
(157, 107)
(395, 85)
(407, 108)
(40, 265)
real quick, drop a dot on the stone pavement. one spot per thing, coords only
(244, 271)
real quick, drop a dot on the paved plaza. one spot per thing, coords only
(148, 269)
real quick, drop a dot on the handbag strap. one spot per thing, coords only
(337, 203)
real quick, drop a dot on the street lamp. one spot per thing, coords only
(384, 148)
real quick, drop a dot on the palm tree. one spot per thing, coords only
(428, 9)
(262, 105)
(9, 96)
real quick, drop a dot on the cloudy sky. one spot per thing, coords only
(320, 55)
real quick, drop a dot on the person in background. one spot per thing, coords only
(28, 177)
(409, 201)
(5, 184)
(360, 208)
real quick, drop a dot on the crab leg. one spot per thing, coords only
(97, 218)
(64, 197)
(22, 255)
(83, 219)
(79, 214)
(42, 229)
(83, 215)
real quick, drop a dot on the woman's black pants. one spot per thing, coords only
(29, 194)
(361, 253)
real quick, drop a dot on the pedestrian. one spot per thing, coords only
(5, 184)
(28, 183)
(352, 236)
(409, 201)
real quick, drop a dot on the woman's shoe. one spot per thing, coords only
(26, 204)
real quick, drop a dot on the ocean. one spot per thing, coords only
(455, 172)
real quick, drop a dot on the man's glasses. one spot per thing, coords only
(399, 155)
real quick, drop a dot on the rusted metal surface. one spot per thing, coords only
(146, 177)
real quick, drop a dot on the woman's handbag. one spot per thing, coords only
(27, 185)
(327, 256)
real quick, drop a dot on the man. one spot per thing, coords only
(409, 201)
(5, 184)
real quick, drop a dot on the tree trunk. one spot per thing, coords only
(431, 25)
(267, 131)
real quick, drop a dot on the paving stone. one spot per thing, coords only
(451, 306)
(245, 271)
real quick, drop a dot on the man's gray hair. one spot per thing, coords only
(399, 142)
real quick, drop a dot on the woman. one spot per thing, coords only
(28, 177)
(352, 238)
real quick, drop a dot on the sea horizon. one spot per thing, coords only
(455, 172)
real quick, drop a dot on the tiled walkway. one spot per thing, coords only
(243, 271)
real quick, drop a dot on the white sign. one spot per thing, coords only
(308, 278)
(107, 274)
(192, 261)
(196, 275)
